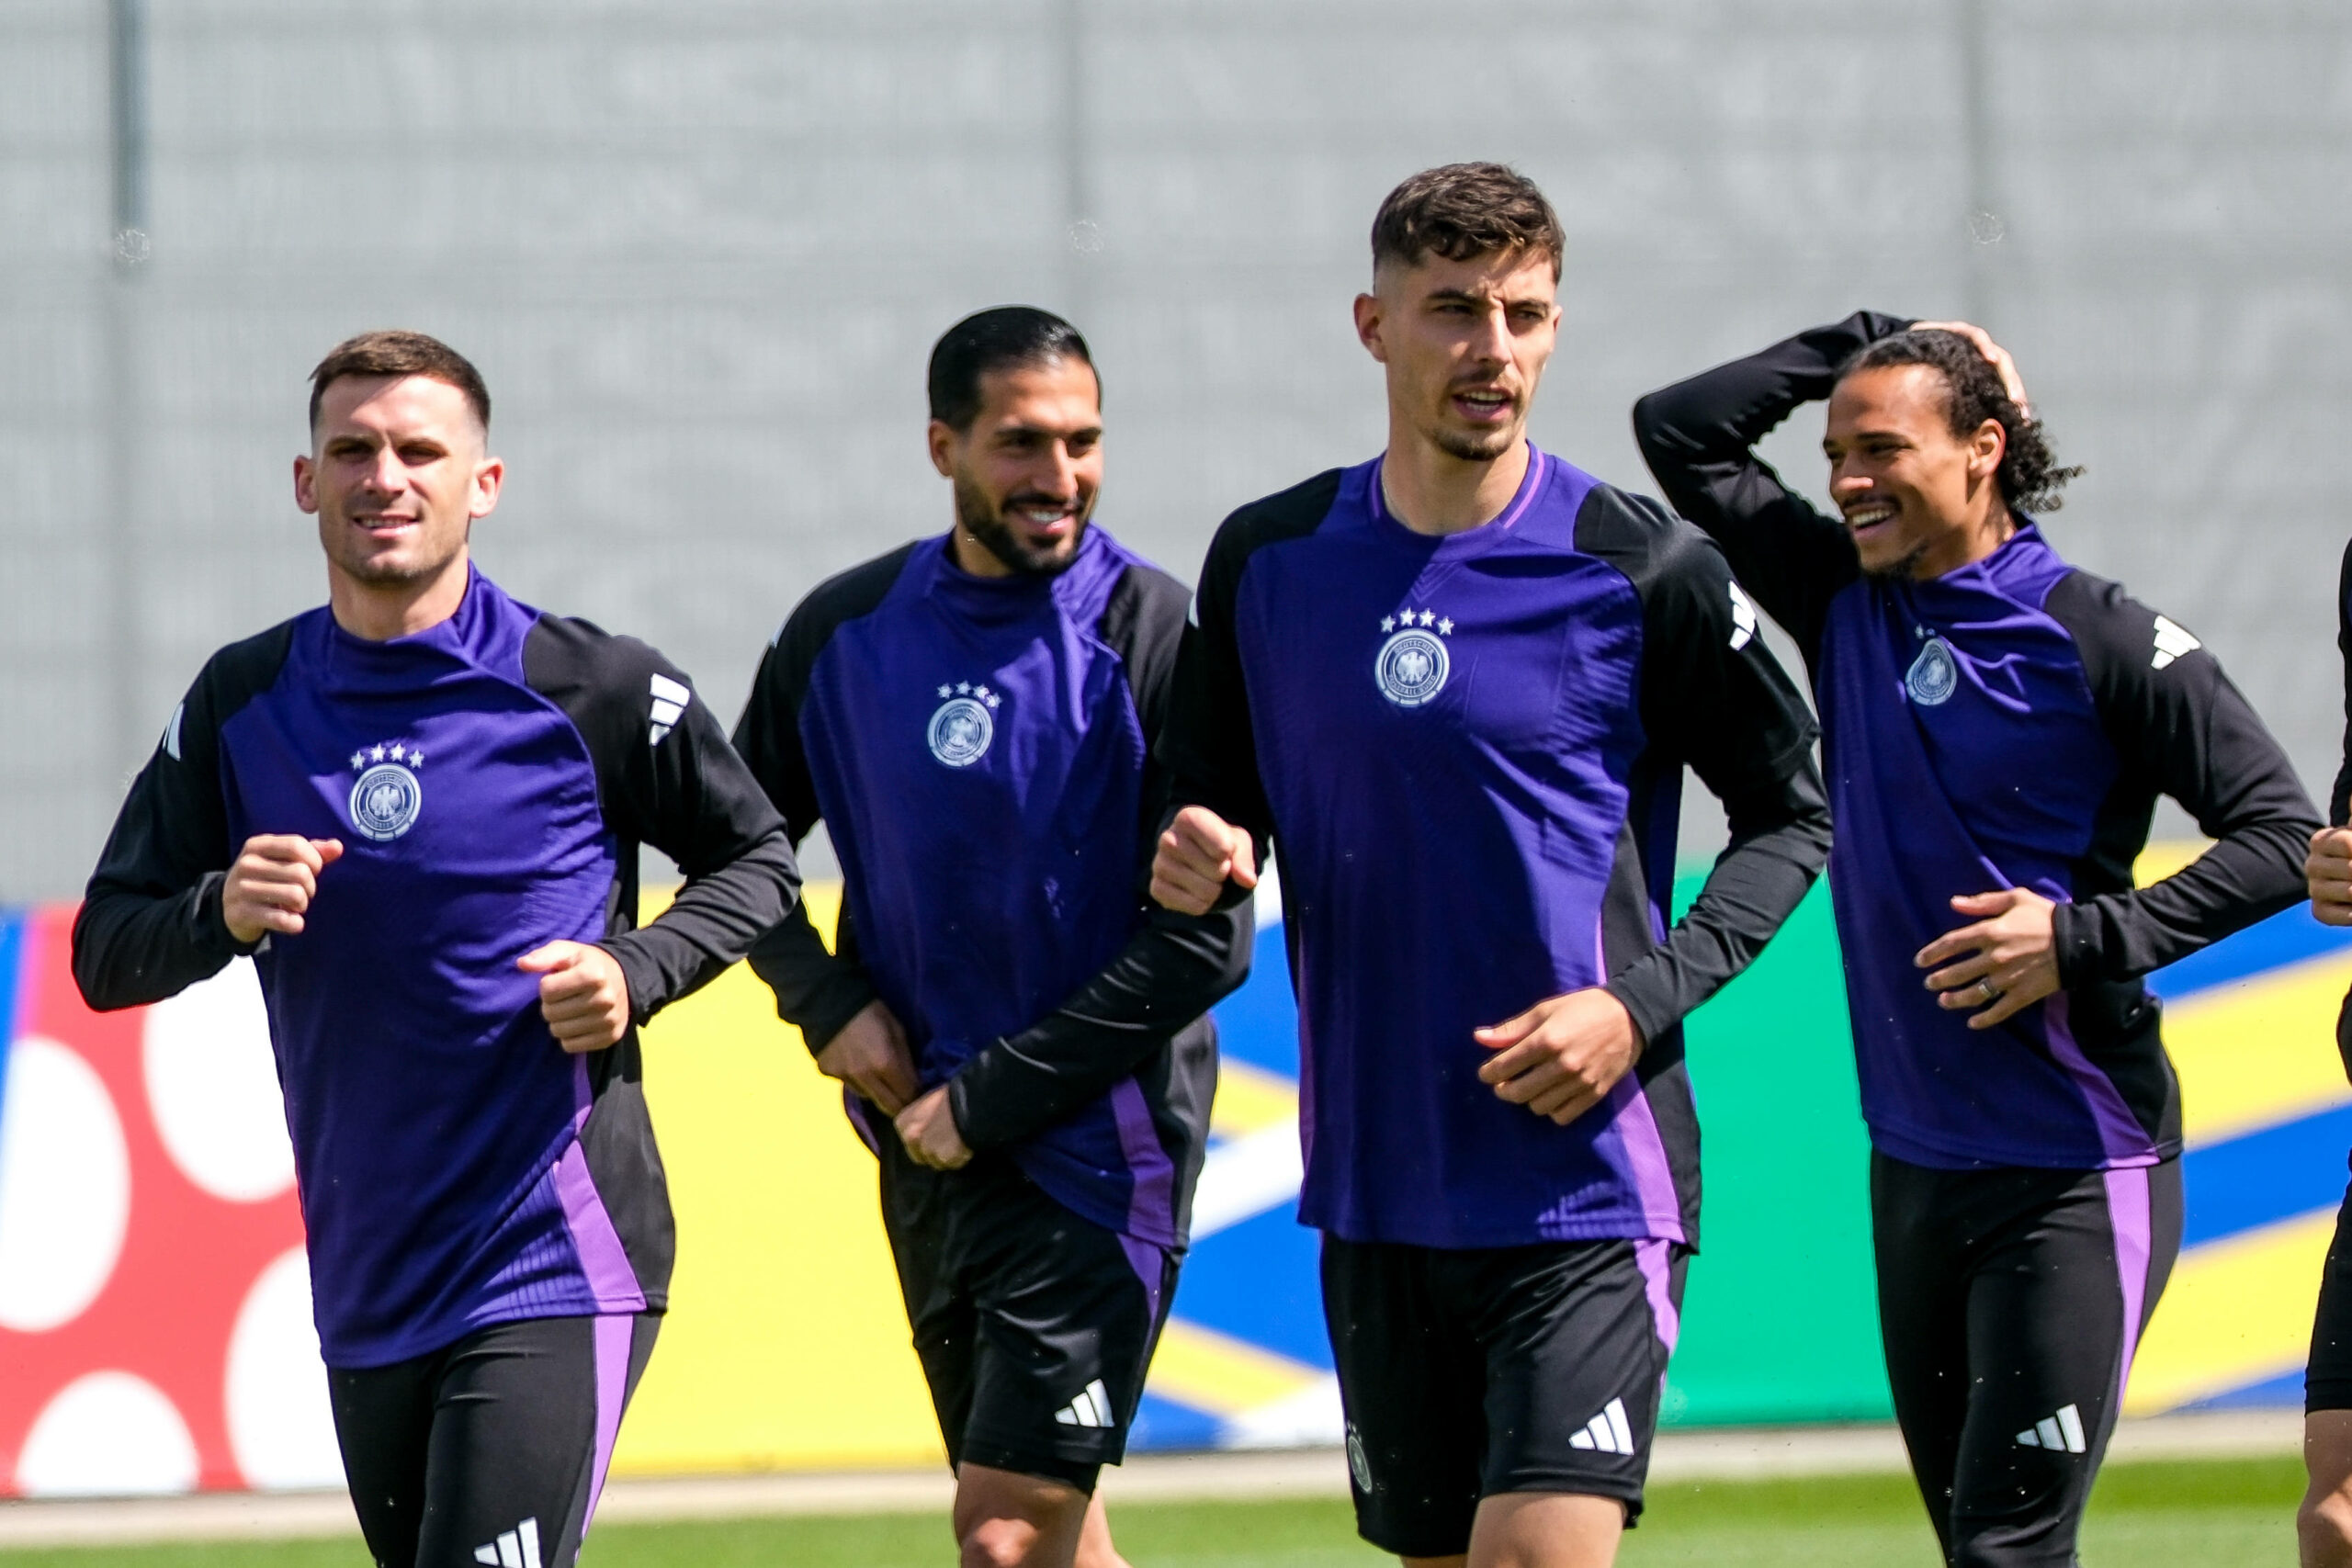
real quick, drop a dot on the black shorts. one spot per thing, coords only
(492, 1450)
(2328, 1380)
(2011, 1300)
(1518, 1368)
(1035, 1326)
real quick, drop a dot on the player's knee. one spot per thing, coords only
(1000, 1543)
(2324, 1526)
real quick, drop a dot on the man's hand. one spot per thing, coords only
(1562, 1057)
(272, 884)
(1998, 357)
(928, 1129)
(582, 993)
(870, 1054)
(1198, 854)
(2003, 963)
(2328, 871)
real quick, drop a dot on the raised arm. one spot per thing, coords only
(1698, 438)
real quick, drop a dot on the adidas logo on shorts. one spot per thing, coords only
(2061, 1431)
(517, 1548)
(1091, 1408)
(1608, 1431)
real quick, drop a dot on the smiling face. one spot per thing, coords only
(1919, 499)
(1028, 470)
(396, 475)
(1466, 343)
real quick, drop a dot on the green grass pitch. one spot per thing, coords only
(2213, 1513)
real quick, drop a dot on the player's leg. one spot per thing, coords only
(1413, 1388)
(1923, 1321)
(1576, 1338)
(2056, 1306)
(2324, 1523)
(1067, 1314)
(383, 1423)
(524, 1419)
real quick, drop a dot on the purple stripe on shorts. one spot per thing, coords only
(2120, 1133)
(2127, 1217)
(602, 1257)
(1149, 1263)
(1656, 1262)
(614, 1334)
(1151, 1203)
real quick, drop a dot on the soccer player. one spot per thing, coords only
(1020, 1030)
(1996, 727)
(2325, 1522)
(1458, 685)
(418, 807)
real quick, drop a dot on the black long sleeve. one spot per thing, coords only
(2179, 729)
(1698, 438)
(150, 924)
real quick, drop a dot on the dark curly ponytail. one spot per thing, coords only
(2029, 476)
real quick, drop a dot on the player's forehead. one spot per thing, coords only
(1523, 275)
(374, 407)
(1906, 399)
(1059, 395)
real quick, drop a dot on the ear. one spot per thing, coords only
(1986, 448)
(306, 485)
(489, 476)
(1368, 323)
(942, 441)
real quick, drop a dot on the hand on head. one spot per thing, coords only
(1994, 355)
(1197, 855)
(582, 993)
(270, 886)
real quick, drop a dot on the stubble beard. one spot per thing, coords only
(980, 517)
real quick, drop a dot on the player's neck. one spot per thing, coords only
(1979, 537)
(379, 611)
(1430, 491)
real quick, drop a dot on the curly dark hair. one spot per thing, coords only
(2030, 477)
(1463, 210)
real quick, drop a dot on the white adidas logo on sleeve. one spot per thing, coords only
(1091, 1408)
(1608, 1431)
(670, 700)
(2172, 640)
(517, 1548)
(2061, 1431)
(1743, 619)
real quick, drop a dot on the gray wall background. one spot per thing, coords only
(701, 251)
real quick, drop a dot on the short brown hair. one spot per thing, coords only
(1462, 210)
(396, 353)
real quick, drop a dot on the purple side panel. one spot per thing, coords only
(602, 1257)
(1656, 1262)
(1151, 1265)
(1152, 1201)
(2120, 1133)
(614, 1334)
(1652, 1178)
(2127, 1215)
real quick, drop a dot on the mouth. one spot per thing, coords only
(1484, 405)
(1043, 518)
(382, 526)
(1866, 519)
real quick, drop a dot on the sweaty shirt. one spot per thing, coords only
(1468, 751)
(490, 778)
(979, 749)
(2007, 725)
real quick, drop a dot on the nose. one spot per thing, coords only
(1060, 481)
(1492, 345)
(387, 475)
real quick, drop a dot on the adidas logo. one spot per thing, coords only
(1743, 619)
(2172, 641)
(670, 700)
(2063, 1432)
(1091, 1408)
(1607, 1431)
(517, 1548)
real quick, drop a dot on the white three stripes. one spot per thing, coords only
(670, 700)
(1608, 1431)
(517, 1548)
(1091, 1408)
(2061, 1431)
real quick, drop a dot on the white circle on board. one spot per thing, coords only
(280, 1426)
(64, 1187)
(212, 1085)
(107, 1435)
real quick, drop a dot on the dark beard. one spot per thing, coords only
(985, 522)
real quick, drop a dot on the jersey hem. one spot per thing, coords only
(1913, 1148)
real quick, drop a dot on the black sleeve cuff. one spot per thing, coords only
(2074, 942)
